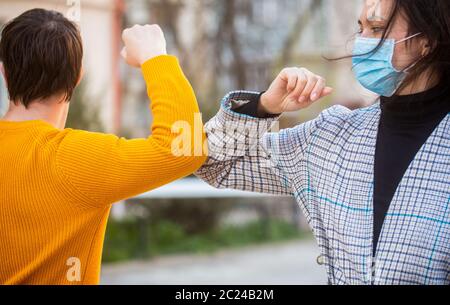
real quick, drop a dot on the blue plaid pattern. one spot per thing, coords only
(327, 164)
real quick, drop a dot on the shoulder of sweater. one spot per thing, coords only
(48, 135)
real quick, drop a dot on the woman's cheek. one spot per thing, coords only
(404, 57)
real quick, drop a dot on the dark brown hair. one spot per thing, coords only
(42, 55)
(432, 19)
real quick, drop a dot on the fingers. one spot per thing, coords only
(292, 82)
(303, 86)
(143, 42)
(310, 87)
(126, 34)
(327, 91)
(289, 75)
(302, 80)
(317, 90)
(308, 90)
(155, 27)
(296, 81)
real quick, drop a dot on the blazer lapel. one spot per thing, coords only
(419, 205)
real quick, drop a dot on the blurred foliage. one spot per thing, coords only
(233, 44)
(84, 112)
(137, 239)
(194, 216)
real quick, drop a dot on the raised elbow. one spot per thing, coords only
(196, 162)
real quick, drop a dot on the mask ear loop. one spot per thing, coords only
(406, 70)
(408, 38)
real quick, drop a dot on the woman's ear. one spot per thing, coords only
(425, 47)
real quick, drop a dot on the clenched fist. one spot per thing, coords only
(292, 90)
(143, 43)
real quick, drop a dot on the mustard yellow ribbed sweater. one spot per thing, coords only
(57, 187)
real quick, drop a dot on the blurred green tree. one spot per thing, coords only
(84, 114)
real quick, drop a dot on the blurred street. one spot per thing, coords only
(291, 263)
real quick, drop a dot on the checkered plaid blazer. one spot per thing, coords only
(327, 164)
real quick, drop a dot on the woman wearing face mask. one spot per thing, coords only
(373, 183)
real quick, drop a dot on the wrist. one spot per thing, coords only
(261, 104)
(263, 110)
(144, 59)
(151, 59)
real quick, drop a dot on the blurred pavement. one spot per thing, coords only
(291, 263)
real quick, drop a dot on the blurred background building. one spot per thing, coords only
(223, 45)
(100, 23)
(243, 44)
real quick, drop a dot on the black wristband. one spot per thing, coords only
(251, 108)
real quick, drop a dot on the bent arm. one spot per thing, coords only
(237, 160)
(102, 169)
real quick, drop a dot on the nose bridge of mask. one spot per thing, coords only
(366, 49)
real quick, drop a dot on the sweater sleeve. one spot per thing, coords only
(104, 169)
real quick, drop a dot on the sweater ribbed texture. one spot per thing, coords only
(57, 186)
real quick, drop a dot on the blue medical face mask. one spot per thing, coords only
(375, 71)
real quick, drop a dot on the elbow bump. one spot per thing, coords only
(190, 165)
(197, 162)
